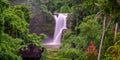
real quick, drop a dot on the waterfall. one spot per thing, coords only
(60, 25)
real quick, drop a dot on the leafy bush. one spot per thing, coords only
(113, 52)
(9, 48)
(90, 30)
(91, 52)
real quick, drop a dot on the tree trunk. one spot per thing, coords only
(72, 58)
(115, 32)
(103, 33)
(118, 2)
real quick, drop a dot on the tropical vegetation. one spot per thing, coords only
(93, 34)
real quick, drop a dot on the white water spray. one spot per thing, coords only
(60, 25)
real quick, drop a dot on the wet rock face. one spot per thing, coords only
(70, 21)
(42, 23)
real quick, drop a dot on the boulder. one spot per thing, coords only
(32, 53)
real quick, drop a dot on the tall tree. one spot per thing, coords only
(103, 34)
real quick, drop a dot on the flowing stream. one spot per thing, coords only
(60, 25)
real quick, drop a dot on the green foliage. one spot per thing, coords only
(90, 30)
(14, 31)
(87, 6)
(73, 41)
(36, 39)
(25, 9)
(108, 39)
(113, 52)
(14, 23)
(65, 9)
(3, 5)
(91, 52)
(81, 9)
(72, 47)
(71, 53)
(109, 7)
(9, 48)
(44, 55)
(60, 6)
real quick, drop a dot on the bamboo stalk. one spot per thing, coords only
(103, 33)
(115, 32)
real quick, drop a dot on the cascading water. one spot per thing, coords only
(60, 25)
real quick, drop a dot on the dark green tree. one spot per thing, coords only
(14, 30)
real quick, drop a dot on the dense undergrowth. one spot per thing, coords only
(93, 29)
